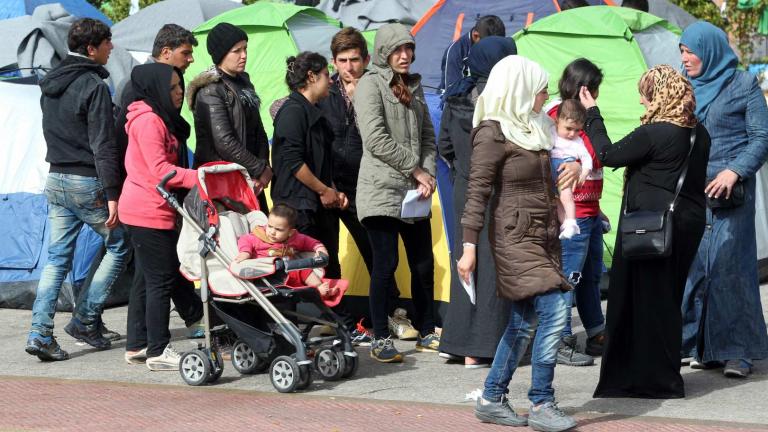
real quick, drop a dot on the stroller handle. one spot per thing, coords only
(172, 201)
(302, 263)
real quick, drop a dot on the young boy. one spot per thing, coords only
(279, 238)
(568, 146)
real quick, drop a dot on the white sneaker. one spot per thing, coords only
(137, 357)
(167, 361)
(569, 228)
(400, 326)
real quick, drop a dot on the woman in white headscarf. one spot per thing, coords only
(510, 167)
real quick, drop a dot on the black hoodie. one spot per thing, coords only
(78, 123)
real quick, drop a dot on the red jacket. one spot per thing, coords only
(258, 245)
(587, 196)
(152, 153)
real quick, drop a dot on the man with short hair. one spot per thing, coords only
(454, 65)
(83, 186)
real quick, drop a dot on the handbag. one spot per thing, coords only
(647, 234)
(736, 199)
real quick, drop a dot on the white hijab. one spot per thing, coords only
(508, 99)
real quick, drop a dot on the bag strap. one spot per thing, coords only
(680, 179)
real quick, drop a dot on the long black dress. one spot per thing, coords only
(644, 323)
(469, 330)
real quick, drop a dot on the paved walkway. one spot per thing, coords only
(44, 404)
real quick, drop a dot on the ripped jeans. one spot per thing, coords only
(583, 266)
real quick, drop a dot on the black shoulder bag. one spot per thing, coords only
(647, 234)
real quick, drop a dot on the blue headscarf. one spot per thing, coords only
(718, 63)
(483, 56)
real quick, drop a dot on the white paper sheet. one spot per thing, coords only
(414, 207)
(469, 287)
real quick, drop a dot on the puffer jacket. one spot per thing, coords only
(222, 126)
(523, 224)
(396, 138)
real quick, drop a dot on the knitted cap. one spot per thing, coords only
(222, 38)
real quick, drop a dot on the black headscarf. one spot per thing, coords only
(152, 84)
(482, 57)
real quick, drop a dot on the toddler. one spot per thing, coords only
(279, 238)
(568, 147)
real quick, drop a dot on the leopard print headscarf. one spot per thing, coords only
(670, 95)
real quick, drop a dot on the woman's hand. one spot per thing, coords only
(586, 98)
(329, 197)
(722, 183)
(427, 183)
(569, 175)
(467, 263)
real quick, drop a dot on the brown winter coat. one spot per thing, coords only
(523, 226)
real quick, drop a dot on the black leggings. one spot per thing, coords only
(417, 237)
(149, 307)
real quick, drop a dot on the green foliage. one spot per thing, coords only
(117, 10)
(741, 24)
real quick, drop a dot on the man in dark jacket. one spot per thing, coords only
(454, 64)
(83, 186)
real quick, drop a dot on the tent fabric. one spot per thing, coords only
(372, 14)
(137, 32)
(448, 18)
(40, 41)
(77, 8)
(671, 13)
(612, 41)
(311, 33)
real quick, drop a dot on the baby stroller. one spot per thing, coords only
(250, 297)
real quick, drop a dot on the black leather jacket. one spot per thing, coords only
(223, 129)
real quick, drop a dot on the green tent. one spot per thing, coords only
(624, 43)
(275, 32)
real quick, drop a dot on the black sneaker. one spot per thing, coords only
(89, 334)
(361, 336)
(569, 356)
(107, 333)
(500, 413)
(428, 343)
(595, 345)
(384, 351)
(45, 351)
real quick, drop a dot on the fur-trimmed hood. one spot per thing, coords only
(206, 77)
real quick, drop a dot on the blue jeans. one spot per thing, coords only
(583, 266)
(72, 201)
(547, 312)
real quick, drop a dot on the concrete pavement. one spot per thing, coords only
(712, 399)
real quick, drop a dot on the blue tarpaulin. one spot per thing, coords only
(78, 8)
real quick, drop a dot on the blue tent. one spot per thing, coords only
(78, 8)
(447, 20)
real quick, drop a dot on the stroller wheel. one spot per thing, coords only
(284, 374)
(306, 377)
(246, 361)
(194, 367)
(330, 364)
(217, 367)
(350, 366)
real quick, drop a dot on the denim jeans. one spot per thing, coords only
(583, 266)
(73, 201)
(545, 315)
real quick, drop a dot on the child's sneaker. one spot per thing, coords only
(428, 343)
(384, 351)
(401, 326)
(361, 336)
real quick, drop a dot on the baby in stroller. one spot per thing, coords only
(279, 238)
